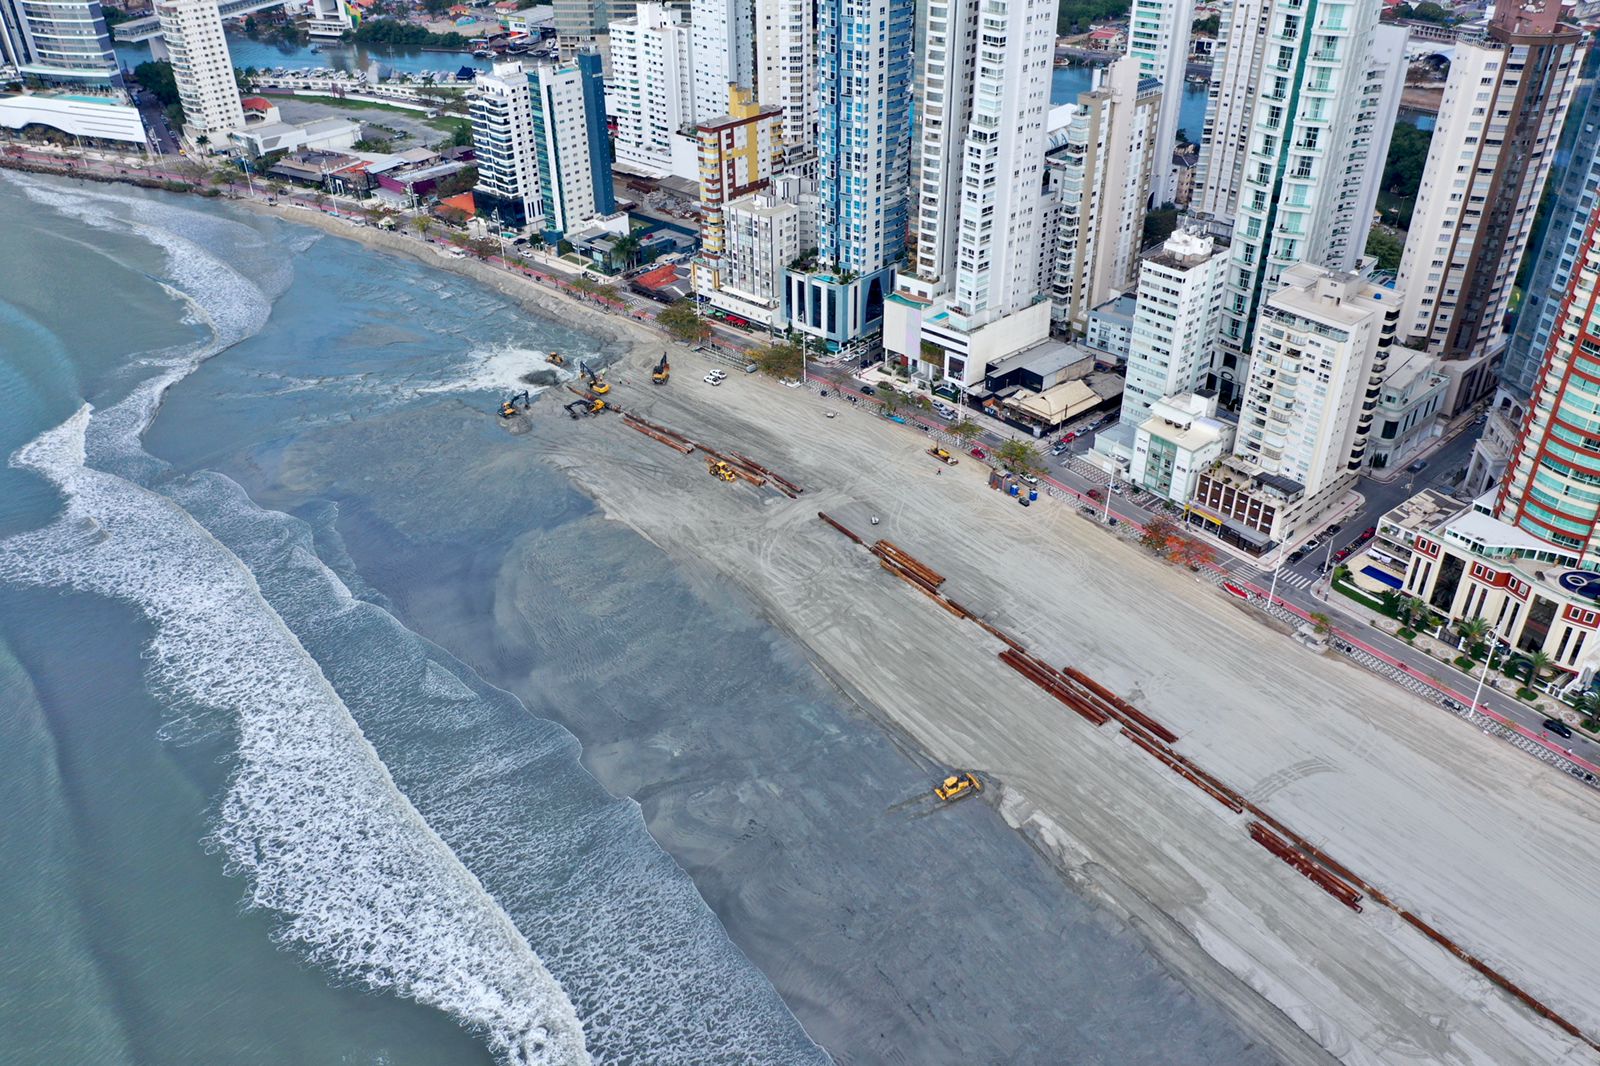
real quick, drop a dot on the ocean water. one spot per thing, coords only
(339, 728)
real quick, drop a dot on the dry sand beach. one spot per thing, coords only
(1491, 848)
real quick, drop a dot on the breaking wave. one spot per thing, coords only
(312, 817)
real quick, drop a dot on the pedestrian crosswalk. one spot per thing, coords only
(1286, 578)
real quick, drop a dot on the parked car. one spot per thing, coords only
(1095, 494)
(716, 377)
(1331, 530)
(1311, 545)
(1117, 488)
(1559, 728)
(1297, 555)
(978, 453)
(1342, 553)
(1070, 437)
(1029, 478)
(868, 390)
(1417, 467)
(1369, 532)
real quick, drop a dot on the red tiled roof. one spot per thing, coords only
(462, 202)
(661, 275)
(255, 103)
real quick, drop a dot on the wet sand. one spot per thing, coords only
(1491, 849)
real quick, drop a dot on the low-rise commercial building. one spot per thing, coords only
(1181, 439)
(1409, 405)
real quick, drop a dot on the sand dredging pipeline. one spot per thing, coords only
(1396, 886)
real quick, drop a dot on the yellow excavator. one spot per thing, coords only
(662, 372)
(591, 406)
(719, 469)
(596, 385)
(955, 786)
(555, 359)
(509, 409)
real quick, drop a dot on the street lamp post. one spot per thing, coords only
(1110, 487)
(1494, 646)
(1272, 593)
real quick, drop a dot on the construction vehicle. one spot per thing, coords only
(720, 469)
(596, 385)
(509, 409)
(662, 371)
(943, 456)
(555, 359)
(955, 786)
(578, 408)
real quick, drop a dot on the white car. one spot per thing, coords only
(716, 377)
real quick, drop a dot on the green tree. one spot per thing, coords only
(1321, 624)
(1076, 16)
(422, 224)
(627, 248)
(1018, 455)
(1210, 24)
(1588, 705)
(1538, 664)
(782, 360)
(1159, 224)
(965, 430)
(684, 323)
(1472, 630)
(155, 77)
(1386, 247)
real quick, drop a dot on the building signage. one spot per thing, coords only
(1582, 582)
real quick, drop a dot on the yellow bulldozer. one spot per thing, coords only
(955, 786)
(719, 469)
(555, 359)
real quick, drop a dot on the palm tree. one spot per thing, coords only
(1539, 664)
(1472, 631)
(626, 246)
(1588, 704)
(1412, 608)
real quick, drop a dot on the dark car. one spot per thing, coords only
(979, 453)
(1418, 466)
(868, 390)
(1332, 529)
(1559, 728)
(1296, 556)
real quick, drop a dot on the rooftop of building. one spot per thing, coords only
(1423, 511)
(1337, 297)
(1198, 433)
(722, 122)
(1117, 309)
(1184, 250)
(1237, 470)
(1045, 358)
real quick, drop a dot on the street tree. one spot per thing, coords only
(1321, 624)
(782, 360)
(1192, 553)
(1158, 534)
(681, 321)
(1019, 456)
(965, 430)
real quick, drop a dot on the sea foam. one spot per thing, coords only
(311, 817)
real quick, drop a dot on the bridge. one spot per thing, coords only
(149, 27)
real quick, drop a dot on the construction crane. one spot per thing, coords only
(596, 385)
(555, 359)
(662, 372)
(509, 409)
